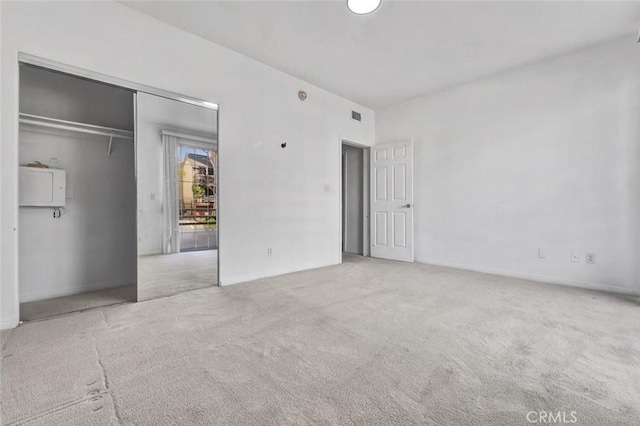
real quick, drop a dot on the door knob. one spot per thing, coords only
(406, 206)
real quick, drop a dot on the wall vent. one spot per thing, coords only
(356, 116)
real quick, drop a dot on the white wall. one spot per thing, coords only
(93, 244)
(60, 96)
(269, 196)
(544, 156)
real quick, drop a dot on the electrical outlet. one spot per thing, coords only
(327, 187)
(542, 253)
(269, 251)
(591, 258)
(575, 257)
(152, 196)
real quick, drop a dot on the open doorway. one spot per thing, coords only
(355, 199)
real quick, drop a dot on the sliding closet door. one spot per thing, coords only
(176, 172)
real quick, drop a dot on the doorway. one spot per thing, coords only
(355, 199)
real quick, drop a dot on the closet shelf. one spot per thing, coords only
(38, 120)
(110, 132)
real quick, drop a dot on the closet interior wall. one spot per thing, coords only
(93, 244)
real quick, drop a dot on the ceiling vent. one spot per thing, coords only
(356, 116)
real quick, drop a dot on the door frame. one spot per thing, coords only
(366, 225)
(71, 70)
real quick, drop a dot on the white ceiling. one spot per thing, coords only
(404, 49)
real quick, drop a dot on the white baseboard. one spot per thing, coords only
(273, 273)
(6, 325)
(535, 277)
(69, 291)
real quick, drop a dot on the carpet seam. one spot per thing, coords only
(105, 379)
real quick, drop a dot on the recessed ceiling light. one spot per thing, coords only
(362, 7)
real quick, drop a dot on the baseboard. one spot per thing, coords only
(69, 291)
(274, 273)
(6, 325)
(535, 277)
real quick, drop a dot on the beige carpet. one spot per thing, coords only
(162, 275)
(368, 342)
(40, 309)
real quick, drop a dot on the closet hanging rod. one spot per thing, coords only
(55, 123)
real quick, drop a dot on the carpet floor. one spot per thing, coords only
(368, 342)
(39, 309)
(168, 274)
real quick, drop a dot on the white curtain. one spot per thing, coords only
(171, 234)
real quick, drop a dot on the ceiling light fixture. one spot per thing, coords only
(362, 7)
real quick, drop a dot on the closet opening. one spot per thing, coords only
(118, 191)
(355, 199)
(77, 214)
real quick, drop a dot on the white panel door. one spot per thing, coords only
(392, 201)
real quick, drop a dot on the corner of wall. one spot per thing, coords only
(7, 325)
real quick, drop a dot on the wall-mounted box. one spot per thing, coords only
(41, 187)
